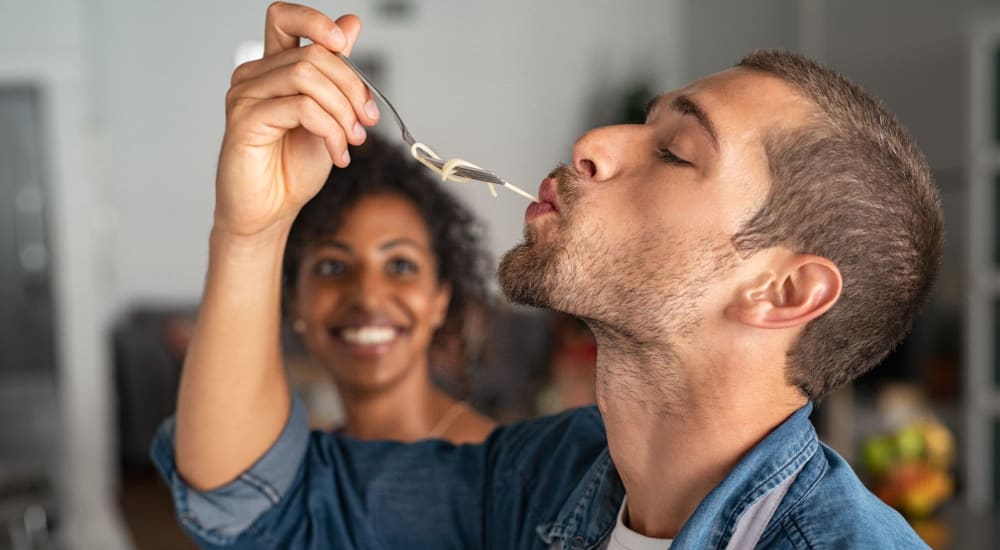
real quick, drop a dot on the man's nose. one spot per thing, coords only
(600, 153)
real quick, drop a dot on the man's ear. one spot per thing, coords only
(804, 288)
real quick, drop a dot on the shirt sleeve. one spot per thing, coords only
(220, 516)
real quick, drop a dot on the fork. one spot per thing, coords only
(470, 172)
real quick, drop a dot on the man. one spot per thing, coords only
(764, 238)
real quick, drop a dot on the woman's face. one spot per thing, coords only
(369, 295)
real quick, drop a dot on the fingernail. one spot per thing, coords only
(371, 109)
(338, 38)
(346, 158)
(359, 131)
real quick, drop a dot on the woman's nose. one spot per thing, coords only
(368, 289)
(599, 154)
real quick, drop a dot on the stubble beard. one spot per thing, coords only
(639, 300)
(528, 272)
(641, 288)
(534, 273)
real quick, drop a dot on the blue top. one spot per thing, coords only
(541, 484)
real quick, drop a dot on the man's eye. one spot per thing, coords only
(670, 158)
(330, 268)
(401, 266)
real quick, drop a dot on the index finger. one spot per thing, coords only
(286, 23)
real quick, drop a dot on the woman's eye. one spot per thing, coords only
(670, 158)
(401, 266)
(330, 268)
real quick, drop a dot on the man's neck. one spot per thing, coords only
(673, 442)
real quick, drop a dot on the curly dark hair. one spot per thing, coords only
(379, 168)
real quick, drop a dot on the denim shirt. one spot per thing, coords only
(547, 483)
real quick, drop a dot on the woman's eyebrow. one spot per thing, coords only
(401, 241)
(332, 243)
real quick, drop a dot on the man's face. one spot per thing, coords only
(637, 238)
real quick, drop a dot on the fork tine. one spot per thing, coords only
(477, 174)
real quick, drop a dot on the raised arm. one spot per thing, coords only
(289, 118)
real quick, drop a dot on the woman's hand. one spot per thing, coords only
(289, 117)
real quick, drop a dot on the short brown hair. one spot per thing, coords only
(851, 186)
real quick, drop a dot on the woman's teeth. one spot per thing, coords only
(368, 336)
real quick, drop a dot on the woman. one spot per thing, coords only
(382, 271)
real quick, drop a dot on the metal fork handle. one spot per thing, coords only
(399, 121)
(461, 171)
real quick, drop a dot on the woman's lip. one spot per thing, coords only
(365, 351)
(368, 352)
(355, 325)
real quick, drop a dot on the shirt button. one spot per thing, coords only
(576, 542)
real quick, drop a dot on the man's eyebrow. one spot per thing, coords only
(651, 103)
(687, 106)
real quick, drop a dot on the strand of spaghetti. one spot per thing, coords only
(520, 191)
(447, 170)
(415, 153)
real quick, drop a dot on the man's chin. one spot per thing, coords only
(522, 274)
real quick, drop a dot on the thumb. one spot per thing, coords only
(351, 25)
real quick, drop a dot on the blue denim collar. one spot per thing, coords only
(591, 509)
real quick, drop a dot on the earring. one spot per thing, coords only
(299, 326)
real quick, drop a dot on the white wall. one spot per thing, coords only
(911, 53)
(42, 44)
(720, 32)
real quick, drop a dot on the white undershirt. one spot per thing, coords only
(623, 538)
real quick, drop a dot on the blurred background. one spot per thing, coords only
(111, 117)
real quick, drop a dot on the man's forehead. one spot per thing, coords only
(740, 96)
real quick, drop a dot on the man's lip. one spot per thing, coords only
(547, 193)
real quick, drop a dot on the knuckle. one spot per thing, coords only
(275, 7)
(307, 105)
(302, 70)
(313, 53)
(241, 106)
(231, 97)
(241, 72)
(236, 107)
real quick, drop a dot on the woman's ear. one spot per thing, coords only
(441, 301)
(804, 288)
